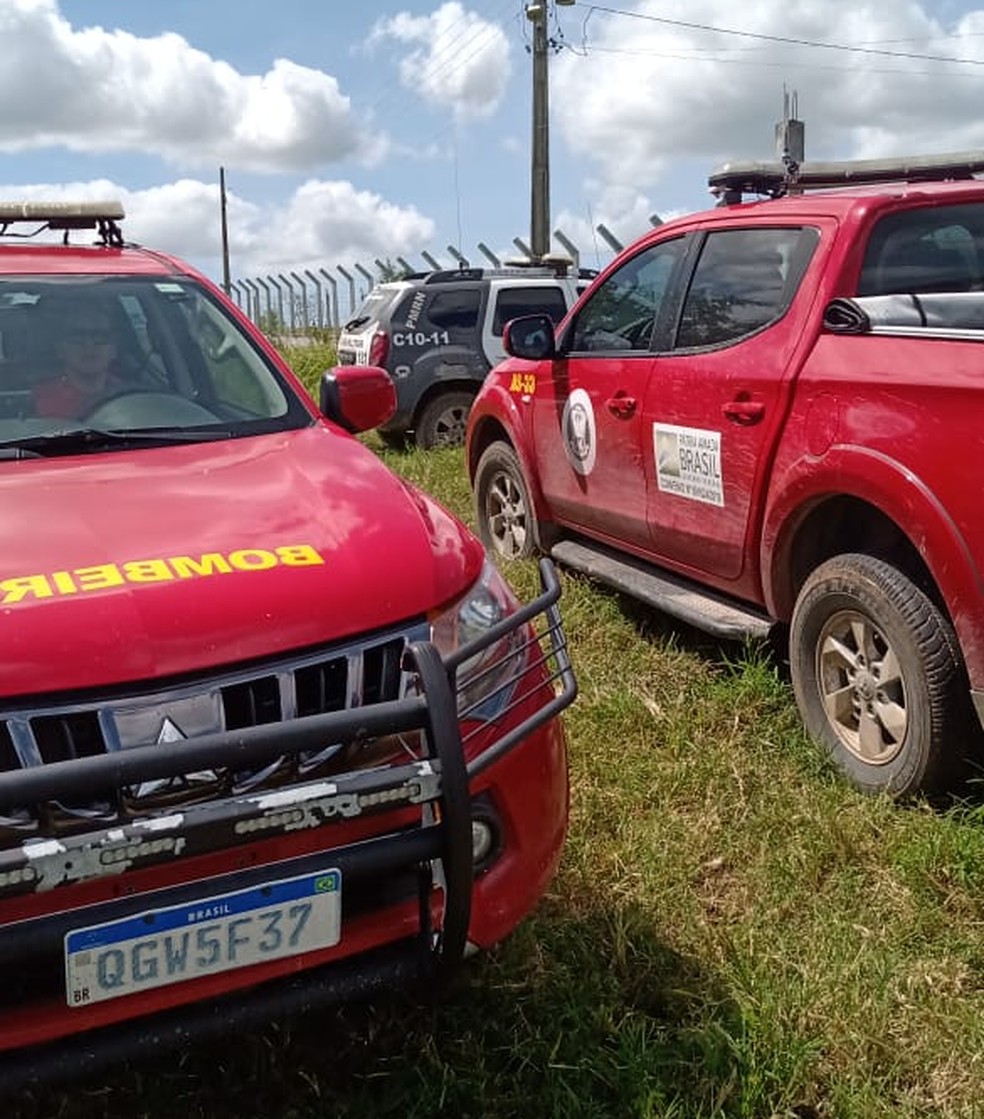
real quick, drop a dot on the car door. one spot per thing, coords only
(589, 440)
(715, 401)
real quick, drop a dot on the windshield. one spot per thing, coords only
(133, 354)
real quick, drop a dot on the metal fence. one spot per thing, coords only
(324, 298)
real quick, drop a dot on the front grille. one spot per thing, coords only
(60, 738)
(321, 688)
(329, 680)
(252, 703)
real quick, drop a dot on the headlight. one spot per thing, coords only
(485, 680)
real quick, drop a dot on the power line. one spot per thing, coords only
(443, 61)
(784, 39)
(701, 55)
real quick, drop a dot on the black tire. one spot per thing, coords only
(394, 440)
(443, 419)
(878, 678)
(503, 510)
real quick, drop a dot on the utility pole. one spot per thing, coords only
(226, 283)
(536, 13)
(540, 149)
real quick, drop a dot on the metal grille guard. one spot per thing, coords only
(441, 777)
(45, 863)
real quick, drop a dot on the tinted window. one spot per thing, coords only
(927, 250)
(513, 302)
(744, 280)
(454, 311)
(621, 314)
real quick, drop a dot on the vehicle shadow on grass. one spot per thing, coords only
(770, 657)
(591, 1015)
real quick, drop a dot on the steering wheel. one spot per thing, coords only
(147, 408)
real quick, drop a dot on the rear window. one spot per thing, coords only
(373, 307)
(936, 249)
(513, 302)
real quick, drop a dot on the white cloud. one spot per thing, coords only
(323, 224)
(97, 90)
(457, 59)
(334, 222)
(643, 94)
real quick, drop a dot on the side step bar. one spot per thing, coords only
(699, 607)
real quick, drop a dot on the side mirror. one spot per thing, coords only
(357, 397)
(530, 336)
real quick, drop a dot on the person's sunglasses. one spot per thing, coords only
(90, 337)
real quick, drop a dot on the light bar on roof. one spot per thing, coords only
(61, 211)
(754, 176)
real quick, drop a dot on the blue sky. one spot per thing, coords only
(355, 132)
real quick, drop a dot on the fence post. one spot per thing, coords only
(252, 303)
(266, 291)
(571, 248)
(317, 289)
(290, 299)
(613, 241)
(366, 275)
(304, 299)
(280, 302)
(462, 261)
(332, 299)
(351, 286)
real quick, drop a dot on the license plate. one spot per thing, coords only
(215, 934)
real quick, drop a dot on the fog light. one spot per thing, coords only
(482, 840)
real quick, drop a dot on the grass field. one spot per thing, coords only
(733, 932)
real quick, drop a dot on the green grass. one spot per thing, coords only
(733, 932)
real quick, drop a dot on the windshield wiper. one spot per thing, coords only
(356, 322)
(83, 439)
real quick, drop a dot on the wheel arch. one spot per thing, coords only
(815, 518)
(495, 419)
(440, 388)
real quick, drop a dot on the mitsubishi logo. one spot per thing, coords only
(170, 732)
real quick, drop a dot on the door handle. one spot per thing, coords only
(621, 405)
(744, 411)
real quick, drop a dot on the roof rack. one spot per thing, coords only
(775, 178)
(65, 216)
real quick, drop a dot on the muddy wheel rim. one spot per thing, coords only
(862, 687)
(449, 430)
(506, 515)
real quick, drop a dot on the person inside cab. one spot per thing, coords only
(86, 354)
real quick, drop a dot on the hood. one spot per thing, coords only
(135, 565)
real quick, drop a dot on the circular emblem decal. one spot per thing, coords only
(578, 429)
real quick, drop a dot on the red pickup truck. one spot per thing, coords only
(769, 414)
(273, 732)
